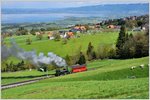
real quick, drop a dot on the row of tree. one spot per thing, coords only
(24, 31)
(127, 46)
(129, 22)
(11, 67)
(132, 46)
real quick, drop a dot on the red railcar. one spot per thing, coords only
(78, 68)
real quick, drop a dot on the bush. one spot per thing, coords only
(64, 41)
(11, 67)
(39, 37)
(22, 31)
(82, 59)
(90, 52)
(57, 37)
(78, 58)
(70, 60)
(135, 46)
(33, 31)
(142, 45)
(106, 51)
(28, 41)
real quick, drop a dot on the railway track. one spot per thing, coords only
(7, 86)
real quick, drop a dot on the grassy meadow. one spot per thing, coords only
(12, 77)
(112, 79)
(72, 46)
(57, 47)
(108, 78)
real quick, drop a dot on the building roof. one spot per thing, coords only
(70, 33)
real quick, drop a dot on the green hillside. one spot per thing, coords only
(70, 48)
(112, 79)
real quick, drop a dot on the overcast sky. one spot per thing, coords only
(62, 3)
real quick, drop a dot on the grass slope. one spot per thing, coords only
(12, 77)
(112, 79)
(70, 48)
(129, 88)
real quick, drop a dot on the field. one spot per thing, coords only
(111, 79)
(12, 77)
(57, 47)
(70, 48)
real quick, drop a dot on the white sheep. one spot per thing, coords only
(42, 69)
(133, 77)
(142, 66)
(133, 67)
(30, 69)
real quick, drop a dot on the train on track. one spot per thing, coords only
(74, 69)
(59, 72)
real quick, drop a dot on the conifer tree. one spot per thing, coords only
(121, 40)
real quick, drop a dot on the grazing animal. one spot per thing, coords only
(42, 69)
(133, 77)
(133, 67)
(142, 66)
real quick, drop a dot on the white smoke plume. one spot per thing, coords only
(31, 56)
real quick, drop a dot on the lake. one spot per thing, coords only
(21, 18)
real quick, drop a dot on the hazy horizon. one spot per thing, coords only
(38, 4)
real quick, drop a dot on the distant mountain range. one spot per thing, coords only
(108, 11)
(110, 8)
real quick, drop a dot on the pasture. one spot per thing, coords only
(12, 77)
(111, 79)
(73, 45)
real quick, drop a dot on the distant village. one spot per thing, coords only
(133, 23)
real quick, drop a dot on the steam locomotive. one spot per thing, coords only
(74, 69)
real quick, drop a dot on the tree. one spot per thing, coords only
(82, 59)
(121, 40)
(90, 52)
(21, 31)
(139, 23)
(42, 29)
(128, 49)
(33, 31)
(142, 45)
(135, 46)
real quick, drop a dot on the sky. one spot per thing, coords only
(41, 4)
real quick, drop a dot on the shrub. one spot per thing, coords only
(21, 31)
(64, 41)
(57, 37)
(106, 51)
(135, 46)
(39, 37)
(142, 45)
(82, 59)
(11, 67)
(70, 60)
(28, 41)
(90, 52)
